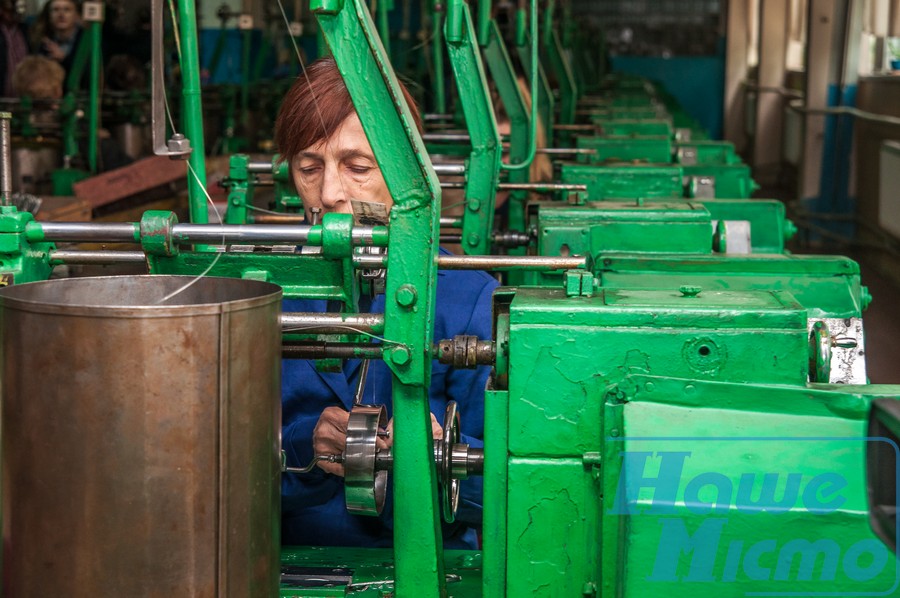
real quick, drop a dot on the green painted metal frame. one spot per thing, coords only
(483, 168)
(400, 152)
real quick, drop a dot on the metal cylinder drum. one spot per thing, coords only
(32, 165)
(141, 437)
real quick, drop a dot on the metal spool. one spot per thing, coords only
(140, 438)
(449, 482)
(365, 487)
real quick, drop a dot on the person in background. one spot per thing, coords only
(319, 134)
(13, 45)
(41, 78)
(58, 30)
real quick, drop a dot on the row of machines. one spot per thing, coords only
(678, 405)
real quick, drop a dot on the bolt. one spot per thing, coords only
(690, 389)
(649, 386)
(400, 356)
(689, 291)
(406, 295)
(473, 239)
(474, 205)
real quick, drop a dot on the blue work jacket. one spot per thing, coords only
(313, 509)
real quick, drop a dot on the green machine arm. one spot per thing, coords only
(559, 62)
(410, 288)
(484, 162)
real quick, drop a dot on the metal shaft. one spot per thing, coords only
(450, 169)
(279, 218)
(536, 187)
(129, 232)
(260, 167)
(5, 159)
(486, 262)
(323, 350)
(325, 323)
(96, 258)
(99, 232)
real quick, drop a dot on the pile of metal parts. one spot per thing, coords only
(677, 404)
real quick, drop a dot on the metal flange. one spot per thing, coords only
(364, 484)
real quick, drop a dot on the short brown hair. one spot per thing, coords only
(39, 78)
(316, 105)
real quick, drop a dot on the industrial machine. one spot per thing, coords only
(677, 406)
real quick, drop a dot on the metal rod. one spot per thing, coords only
(96, 258)
(5, 159)
(485, 262)
(279, 218)
(509, 262)
(325, 323)
(260, 167)
(797, 106)
(99, 232)
(450, 222)
(565, 151)
(324, 350)
(450, 169)
(543, 187)
(461, 137)
(564, 127)
(432, 116)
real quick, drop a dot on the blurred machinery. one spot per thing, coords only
(677, 405)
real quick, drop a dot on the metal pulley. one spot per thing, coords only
(366, 466)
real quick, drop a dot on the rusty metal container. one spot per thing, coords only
(140, 439)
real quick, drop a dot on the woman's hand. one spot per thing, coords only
(53, 50)
(437, 432)
(330, 437)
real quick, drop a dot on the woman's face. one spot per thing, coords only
(63, 15)
(334, 171)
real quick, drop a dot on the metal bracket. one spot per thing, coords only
(178, 147)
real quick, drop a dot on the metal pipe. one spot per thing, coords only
(323, 350)
(432, 116)
(565, 127)
(5, 159)
(869, 116)
(279, 218)
(325, 323)
(533, 118)
(542, 187)
(186, 234)
(450, 222)
(485, 262)
(535, 187)
(96, 258)
(565, 151)
(99, 232)
(193, 110)
(450, 169)
(509, 262)
(94, 30)
(455, 137)
(259, 166)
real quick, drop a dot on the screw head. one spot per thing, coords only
(401, 356)
(406, 295)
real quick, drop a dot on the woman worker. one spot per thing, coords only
(320, 135)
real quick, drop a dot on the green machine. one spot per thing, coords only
(646, 434)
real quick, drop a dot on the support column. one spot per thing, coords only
(833, 41)
(773, 38)
(737, 41)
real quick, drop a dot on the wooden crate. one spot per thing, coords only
(63, 209)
